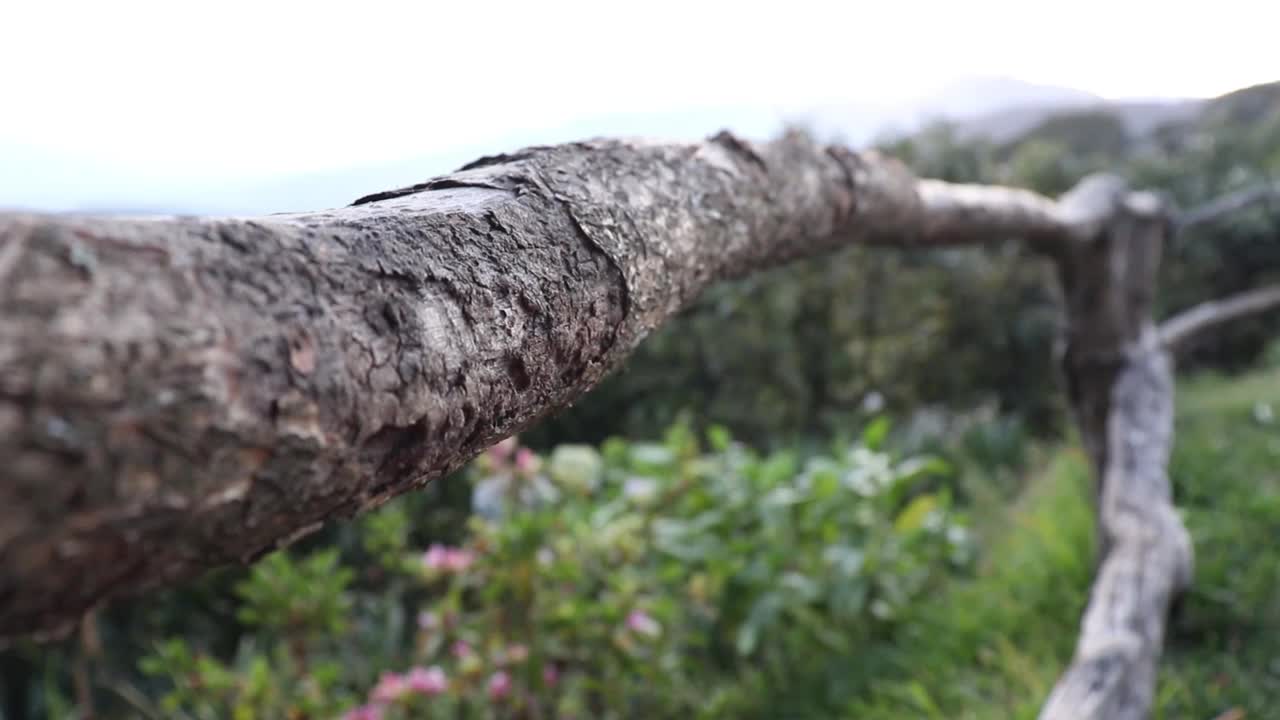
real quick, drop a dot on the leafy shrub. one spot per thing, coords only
(674, 579)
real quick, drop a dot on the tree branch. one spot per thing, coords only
(180, 393)
(1121, 387)
(1228, 204)
(1179, 330)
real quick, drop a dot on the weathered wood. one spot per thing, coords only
(1182, 328)
(180, 393)
(1120, 381)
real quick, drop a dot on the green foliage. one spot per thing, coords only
(692, 577)
(298, 596)
(1225, 643)
(1086, 134)
(991, 647)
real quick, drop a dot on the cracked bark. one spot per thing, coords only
(182, 393)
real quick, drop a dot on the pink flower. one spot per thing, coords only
(550, 675)
(364, 712)
(428, 681)
(638, 621)
(447, 559)
(501, 452)
(499, 685)
(461, 649)
(459, 559)
(390, 688)
(435, 557)
(527, 463)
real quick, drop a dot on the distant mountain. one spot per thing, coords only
(961, 102)
(1123, 127)
(1138, 117)
(999, 108)
(983, 96)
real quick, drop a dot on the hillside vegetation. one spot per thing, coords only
(992, 647)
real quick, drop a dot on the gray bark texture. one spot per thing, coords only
(182, 393)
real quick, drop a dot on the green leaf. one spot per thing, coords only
(804, 588)
(718, 438)
(778, 469)
(651, 457)
(874, 435)
(761, 615)
(921, 467)
(915, 513)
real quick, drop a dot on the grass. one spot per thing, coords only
(992, 646)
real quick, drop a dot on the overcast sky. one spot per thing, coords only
(230, 89)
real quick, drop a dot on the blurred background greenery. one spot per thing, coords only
(842, 488)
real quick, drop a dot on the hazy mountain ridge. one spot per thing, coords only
(999, 109)
(1139, 118)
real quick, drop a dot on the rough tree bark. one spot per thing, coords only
(181, 393)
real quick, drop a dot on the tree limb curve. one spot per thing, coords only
(181, 393)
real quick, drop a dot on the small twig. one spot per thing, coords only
(1178, 330)
(1227, 204)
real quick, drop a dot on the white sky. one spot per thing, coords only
(223, 87)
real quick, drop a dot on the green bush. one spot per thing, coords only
(633, 580)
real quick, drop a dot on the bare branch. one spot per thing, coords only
(180, 393)
(1180, 329)
(1227, 204)
(911, 211)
